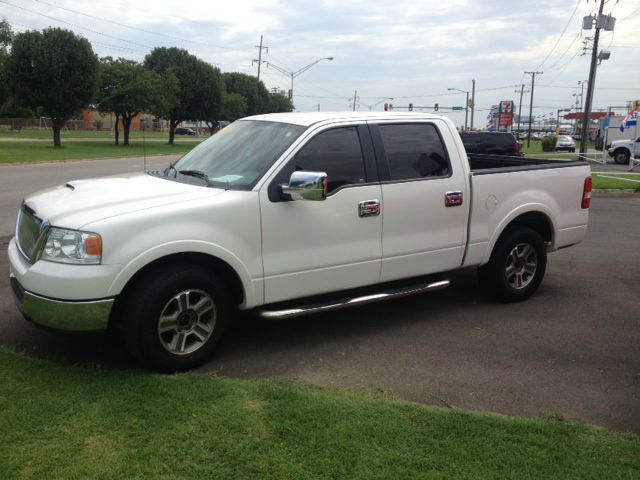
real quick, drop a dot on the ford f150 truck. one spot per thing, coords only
(288, 214)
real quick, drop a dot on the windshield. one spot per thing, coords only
(238, 155)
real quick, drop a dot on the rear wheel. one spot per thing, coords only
(175, 317)
(516, 267)
(621, 156)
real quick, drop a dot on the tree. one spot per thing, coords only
(127, 88)
(211, 100)
(6, 38)
(234, 106)
(249, 87)
(279, 103)
(54, 69)
(198, 93)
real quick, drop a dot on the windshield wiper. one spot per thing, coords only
(195, 173)
(205, 177)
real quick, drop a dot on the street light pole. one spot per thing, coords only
(297, 72)
(466, 107)
(473, 100)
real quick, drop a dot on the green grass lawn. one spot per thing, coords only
(620, 182)
(75, 422)
(29, 152)
(103, 134)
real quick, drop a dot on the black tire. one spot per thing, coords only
(621, 156)
(198, 301)
(516, 267)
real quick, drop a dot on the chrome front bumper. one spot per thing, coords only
(72, 316)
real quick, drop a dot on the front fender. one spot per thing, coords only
(253, 291)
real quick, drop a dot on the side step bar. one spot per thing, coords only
(350, 302)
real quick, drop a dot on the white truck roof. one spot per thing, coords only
(309, 118)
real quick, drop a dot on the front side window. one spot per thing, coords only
(337, 152)
(414, 151)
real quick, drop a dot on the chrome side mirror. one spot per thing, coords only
(306, 186)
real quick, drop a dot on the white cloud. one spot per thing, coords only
(384, 48)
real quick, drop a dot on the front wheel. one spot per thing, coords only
(516, 267)
(175, 316)
(621, 157)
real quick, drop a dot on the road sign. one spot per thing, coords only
(457, 108)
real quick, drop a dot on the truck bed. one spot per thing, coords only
(482, 164)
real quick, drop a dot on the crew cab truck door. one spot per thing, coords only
(312, 247)
(425, 195)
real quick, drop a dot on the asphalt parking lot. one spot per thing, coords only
(572, 351)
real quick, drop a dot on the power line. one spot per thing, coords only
(561, 35)
(166, 35)
(566, 50)
(75, 26)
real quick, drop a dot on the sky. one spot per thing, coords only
(397, 51)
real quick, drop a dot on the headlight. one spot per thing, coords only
(72, 246)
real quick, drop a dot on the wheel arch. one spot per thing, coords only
(229, 275)
(538, 221)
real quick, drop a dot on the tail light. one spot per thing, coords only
(586, 193)
(518, 148)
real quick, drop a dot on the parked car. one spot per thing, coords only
(185, 131)
(283, 214)
(565, 142)
(491, 143)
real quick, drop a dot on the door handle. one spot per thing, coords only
(453, 199)
(369, 208)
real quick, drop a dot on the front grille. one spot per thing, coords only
(29, 232)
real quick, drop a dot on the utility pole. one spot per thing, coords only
(259, 60)
(355, 96)
(520, 106)
(533, 79)
(584, 140)
(473, 100)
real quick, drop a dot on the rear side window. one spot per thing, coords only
(414, 151)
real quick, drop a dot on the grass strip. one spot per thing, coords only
(616, 181)
(78, 422)
(33, 152)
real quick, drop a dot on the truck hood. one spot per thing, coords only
(621, 143)
(80, 202)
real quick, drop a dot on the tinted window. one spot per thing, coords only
(414, 151)
(336, 152)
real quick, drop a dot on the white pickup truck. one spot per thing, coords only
(624, 150)
(288, 214)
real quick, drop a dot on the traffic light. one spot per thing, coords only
(386, 107)
(411, 107)
(435, 107)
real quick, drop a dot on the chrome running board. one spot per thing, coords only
(281, 314)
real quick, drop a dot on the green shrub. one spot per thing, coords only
(549, 143)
